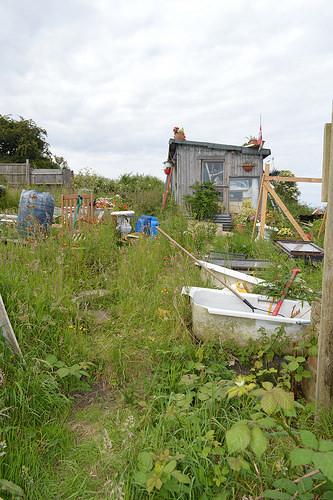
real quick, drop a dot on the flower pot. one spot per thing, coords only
(167, 170)
(179, 136)
(248, 167)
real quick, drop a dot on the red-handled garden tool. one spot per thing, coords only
(278, 306)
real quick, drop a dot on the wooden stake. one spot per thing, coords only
(322, 225)
(263, 203)
(263, 211)
(324, 388)
(258, 208)
(286, 212)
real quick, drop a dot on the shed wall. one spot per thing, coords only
(189, 166)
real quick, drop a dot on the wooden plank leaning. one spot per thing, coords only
(7, 329)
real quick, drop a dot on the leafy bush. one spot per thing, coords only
(246, 213)
(203, 203)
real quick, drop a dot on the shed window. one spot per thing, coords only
(244, 188)
(213, 171)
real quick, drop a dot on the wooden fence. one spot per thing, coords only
(22, 174)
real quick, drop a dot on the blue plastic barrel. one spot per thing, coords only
(35, 212)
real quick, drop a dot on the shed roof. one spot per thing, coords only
(264, 152)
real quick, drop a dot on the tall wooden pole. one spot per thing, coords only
(263, 203)
(258, 208)
(324, 389)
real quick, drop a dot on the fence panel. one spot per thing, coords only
(22, 174)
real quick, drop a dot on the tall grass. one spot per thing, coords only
(69, 438)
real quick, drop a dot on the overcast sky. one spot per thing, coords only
(109, 79)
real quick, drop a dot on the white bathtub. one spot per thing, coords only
(219, 314)
(229, 276)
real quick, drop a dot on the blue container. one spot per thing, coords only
(139, 225)
(153, 227)
(147, 224)
(35, 213)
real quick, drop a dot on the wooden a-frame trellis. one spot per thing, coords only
(267, 188)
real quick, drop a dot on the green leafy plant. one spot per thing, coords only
(275, 281)
(203, 203)
(159, 472)
(246, 213)
(60, 369)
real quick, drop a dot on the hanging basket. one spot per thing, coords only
(248, 167)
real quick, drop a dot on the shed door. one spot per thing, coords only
(214, 171)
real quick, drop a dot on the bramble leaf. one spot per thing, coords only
(308, 439)
(324, 462)
(145, 461)
(181, 478)
(170, 466)
(258, 442)
(285, 484)
(301, 456)
(325, 445)
(238, 437)
(268, 403)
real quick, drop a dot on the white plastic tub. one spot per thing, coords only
(220, 315)
(232, 278)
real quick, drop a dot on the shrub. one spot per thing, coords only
(203, 203)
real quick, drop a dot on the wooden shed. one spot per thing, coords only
(235, 171)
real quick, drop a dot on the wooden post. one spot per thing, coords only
(322, 225)
(286, 212)
(324, 388)
(27, 173)
(258, 208)
(263, 203)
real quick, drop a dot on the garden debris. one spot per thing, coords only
(88, 295)
(123, 221)
(240, 281)
(104, 203)
(217, 315)
(302, 249)
(147, 224)
(238, 262)
(8, 219)
(198, 262)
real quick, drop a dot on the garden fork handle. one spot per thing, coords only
(278, 306)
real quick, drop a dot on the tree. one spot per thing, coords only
(288, 191)
(22, 139)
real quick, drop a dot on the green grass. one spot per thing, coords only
(81, 439)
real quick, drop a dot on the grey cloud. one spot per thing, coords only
(110, 79)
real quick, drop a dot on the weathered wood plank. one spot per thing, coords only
(324, 388)
(280, 178)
